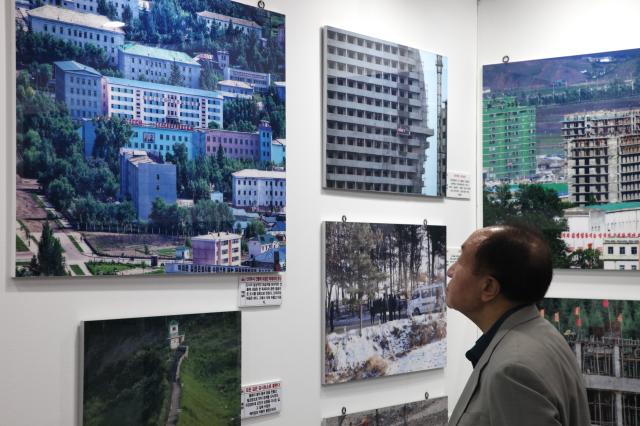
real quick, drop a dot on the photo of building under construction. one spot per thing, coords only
(561, 152)
(605, 337)
(169, 370)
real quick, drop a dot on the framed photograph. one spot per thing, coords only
(150, 140)
(560, 147)
(605, 338)
(385, 116)
(430, 412)
(384, 307)
(179, 369)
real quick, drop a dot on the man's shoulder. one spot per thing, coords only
(534, 344)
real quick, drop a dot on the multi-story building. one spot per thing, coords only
(80, 87)
(241, 145)
(258, 80)
(262, 244)
(235, 89)
(621, 254)
(278, 151)
(137, 61)
(157, 139)
(609, 368)
(508, 140)
(603, 155)
(259, 189)
(142, 180)
(91, 6)
(607, 228)
(161, 103)
(79, 28)
(376, 115)
(217, 248)
(223, 22)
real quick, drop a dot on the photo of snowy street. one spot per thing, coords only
(385, 312)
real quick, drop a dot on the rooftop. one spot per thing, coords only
(75, 66)
(611, 207)
(234, 83)
(163, 87)
(216, 236)
(264, 174)
(69, 16)
(158, 53)
(282, 142)
(220, 17)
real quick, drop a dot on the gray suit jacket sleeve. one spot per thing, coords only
(518, 396)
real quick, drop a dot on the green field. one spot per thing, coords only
(76, 270)
(20, 245)
(75, 243)
(167, 252)
(107, 268)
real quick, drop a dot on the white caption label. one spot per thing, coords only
(453, 253)
(261, 399)
(260, 290)
(458, 185)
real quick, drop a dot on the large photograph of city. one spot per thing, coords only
(561, 152)
(605, 337)
(430, 412)
(172, 370)
(151, 138)
(385, 116)
(384, 300)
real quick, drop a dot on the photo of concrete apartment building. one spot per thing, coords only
(385, 105)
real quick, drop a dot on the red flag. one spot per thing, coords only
(556, 317)
(578, 322)
(605, 303)
(576, 311)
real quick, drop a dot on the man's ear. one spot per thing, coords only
(490, 288)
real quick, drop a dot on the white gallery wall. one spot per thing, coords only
(39, 358)
(526, 30)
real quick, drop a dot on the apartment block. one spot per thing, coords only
(376, 114)
(81, 88)
(160, 103)
(508, 140)
(259, 190)
(137, 62)
(78, 28)
(603, 156)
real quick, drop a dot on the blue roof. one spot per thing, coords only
(75, 66)
(164, 87)
(267, 256)
(279, 227)
(615, 206)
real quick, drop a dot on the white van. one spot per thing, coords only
(426, 298)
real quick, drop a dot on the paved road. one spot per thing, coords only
(176, 393)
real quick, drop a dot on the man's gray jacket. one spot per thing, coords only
(527, 376)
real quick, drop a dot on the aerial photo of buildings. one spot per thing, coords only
(151, 138)
(561, 151)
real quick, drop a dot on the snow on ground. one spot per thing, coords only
(393, 344)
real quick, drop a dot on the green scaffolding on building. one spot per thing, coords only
(508, 139)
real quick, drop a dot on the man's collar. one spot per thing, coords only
(475, 353)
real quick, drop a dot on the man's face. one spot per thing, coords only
(464, 289)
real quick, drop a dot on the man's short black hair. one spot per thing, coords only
(519, 258)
